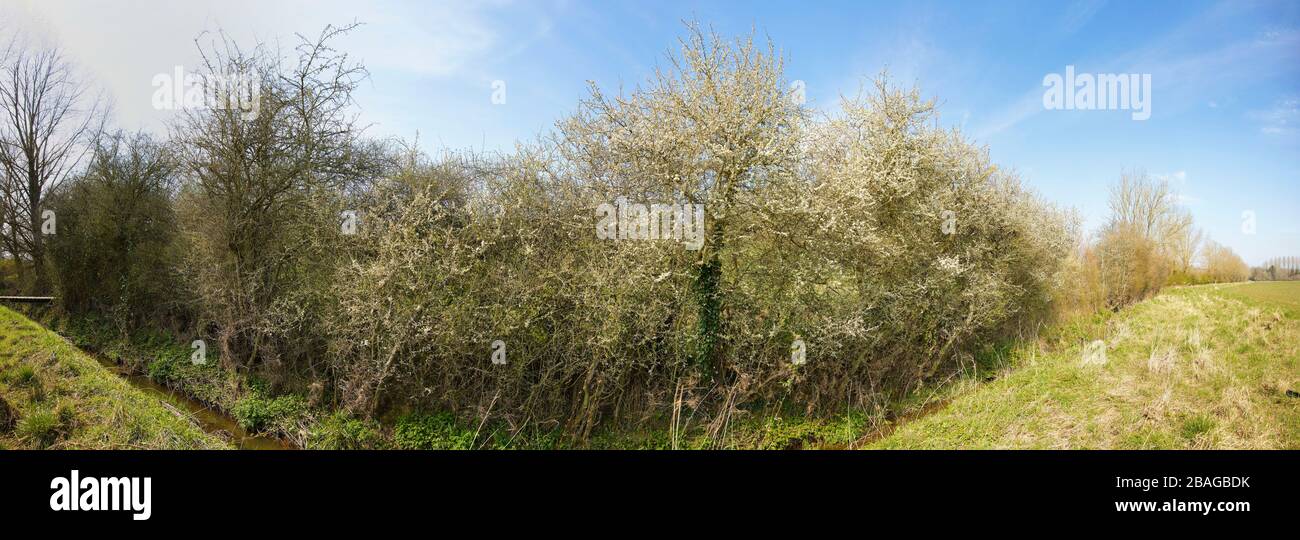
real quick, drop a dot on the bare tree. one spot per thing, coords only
(1147, 205)
(260, 187)
(1149, 234)
(46, 121)
(1185, 243)
(1224, 265)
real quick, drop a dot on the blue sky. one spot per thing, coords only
(1224, 124)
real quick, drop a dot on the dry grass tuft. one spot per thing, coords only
(1094, 353)
(1162, 360)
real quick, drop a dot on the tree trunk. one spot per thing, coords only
(709, 298)
(708, 294)
(41, 283)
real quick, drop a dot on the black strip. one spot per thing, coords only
(296, 490)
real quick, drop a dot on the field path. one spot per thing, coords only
(1214, 366)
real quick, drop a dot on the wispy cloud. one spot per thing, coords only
(1078, 13)
(441, 40)
(1283, 118)
(1028, 105)
(1181, 66)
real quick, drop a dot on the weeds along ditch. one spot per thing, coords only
(150, 362)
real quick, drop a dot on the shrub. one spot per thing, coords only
(891, 247)
(115, 252)
(163, 368)
(40, 426)
(261, 200)
(341, 431)
(23, 375)
(282, 414)
(418, 431)
(1222, 265)
(1131, 266)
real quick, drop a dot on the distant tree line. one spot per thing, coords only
(1149, 241)
(1277, 269)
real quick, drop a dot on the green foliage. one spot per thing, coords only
(341, 431)
(1195, 425)
(22, 376)
(163, 368)
(41, 426)
(441, 431)
(779, 433)
(115, 252)
(257, 414)
(252, 413)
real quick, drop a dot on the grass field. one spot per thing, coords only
(1212, 366)
(1279, 294)
(52, 395)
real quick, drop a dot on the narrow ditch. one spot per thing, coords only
(211, 420)
(895, 422)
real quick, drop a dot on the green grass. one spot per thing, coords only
(1281, 294)
(165, 359)
(1196, 367)
(63, 398)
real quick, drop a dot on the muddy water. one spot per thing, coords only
(207, 418)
